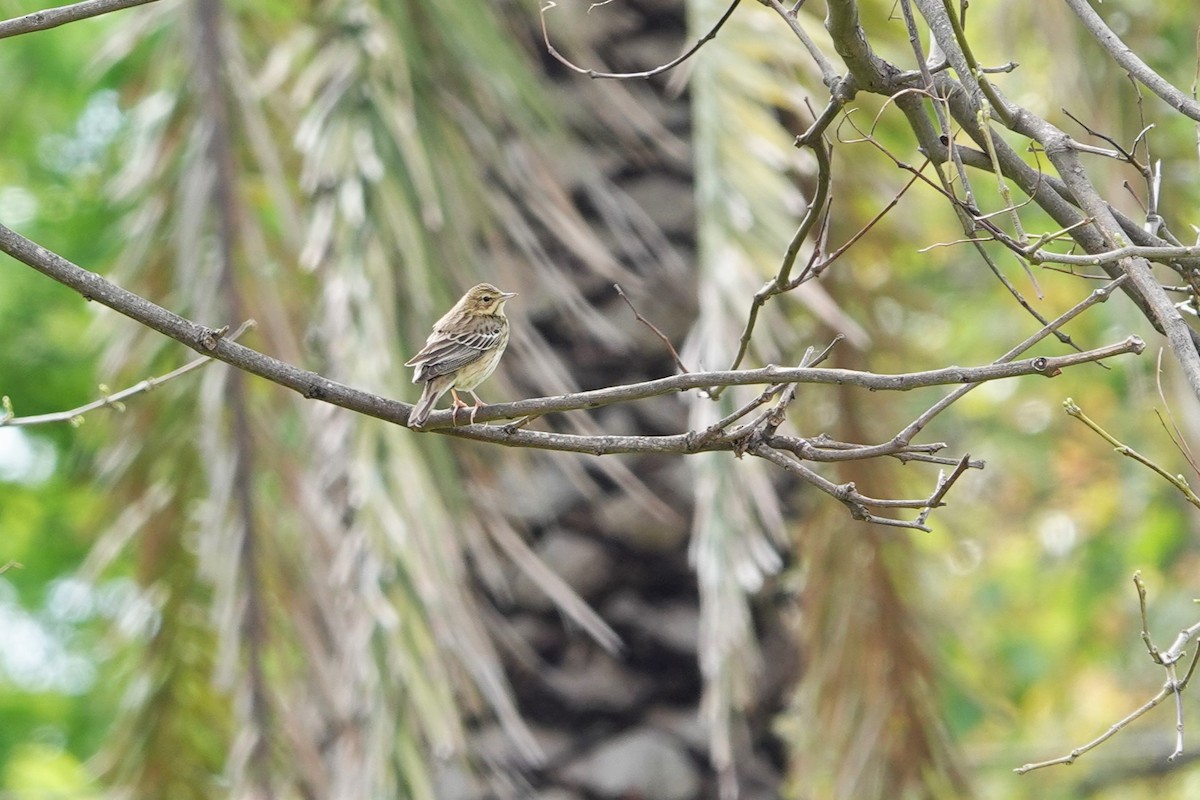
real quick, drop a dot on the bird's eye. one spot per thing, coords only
(487, 298)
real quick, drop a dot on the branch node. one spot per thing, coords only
(209, 338)
(1042, 365)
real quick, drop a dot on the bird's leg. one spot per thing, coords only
(478, 405)
(458, 403)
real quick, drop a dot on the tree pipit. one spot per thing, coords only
(462, 351)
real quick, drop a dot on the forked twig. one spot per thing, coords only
(811, 359)
(1167, 659)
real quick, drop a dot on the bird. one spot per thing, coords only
(462, 351)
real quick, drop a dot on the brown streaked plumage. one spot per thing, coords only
(462, 351)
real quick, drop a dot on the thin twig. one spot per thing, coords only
(948, 481)
(1166, 659)
(825, 263)
(1155, 656)
(857, 503)
(814, 139)
(1163, 254)
(113, 400)
(1010, 208)
(650, 73)
(829, 75)
(1113, 730)
(1178, 481)
(811, 359)
(1176, 436)
(637, 314)
(1099, 295)
(1118, 152)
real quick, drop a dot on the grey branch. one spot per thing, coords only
(53, 17)
(1130, 62)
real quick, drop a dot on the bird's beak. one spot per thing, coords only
(507, 295)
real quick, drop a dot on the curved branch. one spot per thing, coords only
(650, 73)
(814, 139)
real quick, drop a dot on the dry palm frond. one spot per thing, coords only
(332, 547)
(306, 585)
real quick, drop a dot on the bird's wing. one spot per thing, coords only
(446, 352)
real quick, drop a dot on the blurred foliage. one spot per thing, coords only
(53, 161)
(1024, 585)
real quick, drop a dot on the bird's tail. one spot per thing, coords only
(429, 396)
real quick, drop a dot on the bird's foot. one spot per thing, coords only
(458, 403)
(475, 409)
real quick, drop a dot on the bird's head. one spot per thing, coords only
(485, 299)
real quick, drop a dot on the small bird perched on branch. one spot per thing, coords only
(462, 351)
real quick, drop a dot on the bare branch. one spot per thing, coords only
(829, 75)
(1069, 758)
(208, 341)
(53, 17)
(823, 448)
(852, 44)
(1173, 432)
(814, 139)
(1177, 481)
(1173, 686)
(1099, 295)
(857, 503)
(759, 437)
(650, 73)
(115, 399)
(638, 315)
(1129, 61)
(1163, 254)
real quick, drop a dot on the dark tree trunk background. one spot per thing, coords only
(629, 726)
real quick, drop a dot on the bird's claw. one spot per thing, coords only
(454, 411)
(458, 403)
